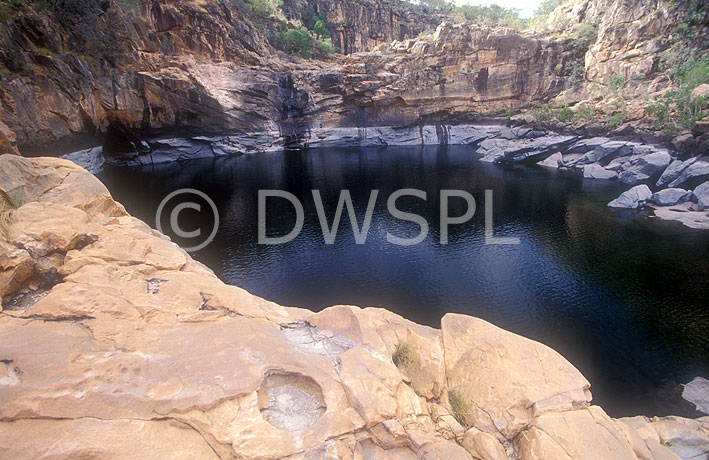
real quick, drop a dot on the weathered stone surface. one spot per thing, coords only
(587, 434)
(670, 196)
(685, 214)
(643, 167)
(633, 198)
(483, 445)
(596, 171)
(359, 26)
(506, 397)
(701, 194)
(102, 440)
(605, 151)
(673, 171)
(697, 392)
(687, 438)
(553, 161)
(696, 171)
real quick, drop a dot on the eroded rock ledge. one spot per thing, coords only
(116, 344)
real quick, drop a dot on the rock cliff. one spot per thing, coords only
(153, 65)
(116, 344)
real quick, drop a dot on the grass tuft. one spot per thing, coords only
(460, 407)
(403, 355)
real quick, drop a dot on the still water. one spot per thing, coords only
(623, 297)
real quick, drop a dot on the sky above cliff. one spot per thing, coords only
(526, 8)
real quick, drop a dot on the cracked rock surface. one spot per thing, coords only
(136, 351)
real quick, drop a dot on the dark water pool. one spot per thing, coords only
(623, 298)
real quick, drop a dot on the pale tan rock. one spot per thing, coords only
(371, 384)
(506, 379)
(383, 331)
(16, 266)
(440, 449)
(102, 440)
(483, 445)
(587, 434)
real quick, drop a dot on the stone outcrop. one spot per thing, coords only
(206, 67)
(358, 26)
(113, 333)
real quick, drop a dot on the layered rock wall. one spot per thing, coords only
(208, 67)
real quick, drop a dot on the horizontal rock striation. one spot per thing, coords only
(116, 344)
(207, 67)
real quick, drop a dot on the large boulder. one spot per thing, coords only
(701, 194)
(633, 198)
(695, 172)
(596, 171)
(483, 445)
(643, 167)
(606, 152)
(673, 171)
(504, 380)
(670, 196)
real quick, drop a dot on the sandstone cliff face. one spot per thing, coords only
(209, 67)
(362, 25)
(116, 344)
(456, 73)
(632, 34)
(205, 66)
(62, 86)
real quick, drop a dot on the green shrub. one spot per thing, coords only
(265, 7)
(617, 115)
(565, 114)
(167, 45)
(492, 15)
(324, 47)
(319, 27)
(659, 109)
(576, 73)
(616, 83)
(585, 111)
(8, 8)
(296, 41)
(547, 6)
(583, 38)
(694, 73)
(636, 80)
(542, 112)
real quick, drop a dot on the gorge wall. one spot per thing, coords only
(211, 67)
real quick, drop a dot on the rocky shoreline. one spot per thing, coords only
(673, 185)
(112, 332)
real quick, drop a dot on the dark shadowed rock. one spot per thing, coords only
(643, 167)
(695, 173)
